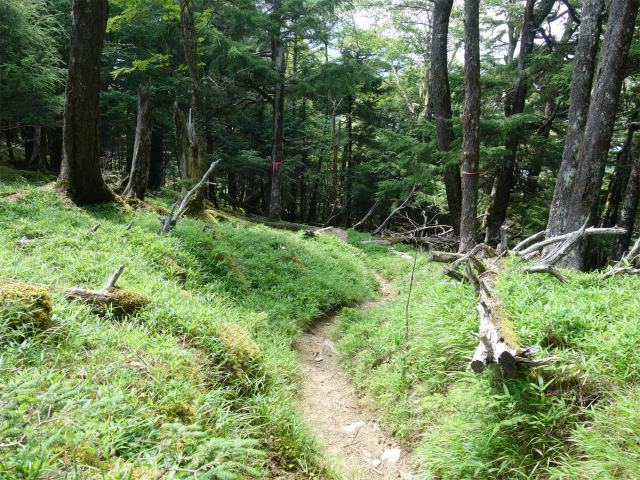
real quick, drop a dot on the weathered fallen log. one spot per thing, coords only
(120, 301)
(443, 257)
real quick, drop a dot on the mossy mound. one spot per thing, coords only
(243, 352)
(33, 302)
(126, 302)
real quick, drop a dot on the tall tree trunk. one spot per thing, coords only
(274, 208)
(502, 190)
(190, 39)
(156, 160)
(81, 134)
(28, 136)
(442, 105)
(629, 210)
(139, 176)
(39, 156)
(583, 68)
(471, 125)
(54, 137)
(599, 127)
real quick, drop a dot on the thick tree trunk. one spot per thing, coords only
(471, 125)
(139, 176)
(81, 135)
(28, 135)
(274, 208)
(500, 201)
(442, 105)
(156, 160)
(583, 68)
(599, 127)
(628, 215)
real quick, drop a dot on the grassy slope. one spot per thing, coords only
(101, 397)
(575, 418)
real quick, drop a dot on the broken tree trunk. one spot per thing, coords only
(139, 176)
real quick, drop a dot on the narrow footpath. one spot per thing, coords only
(356, 444)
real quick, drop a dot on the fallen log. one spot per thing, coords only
(443, 257)
(120, 301)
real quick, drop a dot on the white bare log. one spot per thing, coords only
(574, 237)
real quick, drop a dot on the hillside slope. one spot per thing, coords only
(199, 380)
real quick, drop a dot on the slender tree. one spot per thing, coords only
(471, 125)
(442, 105)
(81, 136)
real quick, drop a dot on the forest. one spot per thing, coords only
(250, 239)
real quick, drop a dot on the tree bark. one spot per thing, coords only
(81, 134)
(187, 146)
(274, 209)
(139, 176)
(38, 159)
(442, 105)
(600, 122)
(471, 125)
(619, 180)
(583, 68)
(156, 160)
(54, 136)
(628, 215)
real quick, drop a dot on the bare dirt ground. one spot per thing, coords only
(356, 444)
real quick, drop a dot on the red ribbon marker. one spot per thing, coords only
(275, 164)
(469, 173)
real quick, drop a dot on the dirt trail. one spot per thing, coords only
(355, 443)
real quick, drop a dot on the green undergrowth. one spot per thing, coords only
(199, 380)
(575, 417)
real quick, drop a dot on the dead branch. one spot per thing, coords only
(619, 271)
(530, 240)
(368, 215)
(406, 200)
(171, 219)
(550, 269)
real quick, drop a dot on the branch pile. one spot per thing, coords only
(497, 340)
